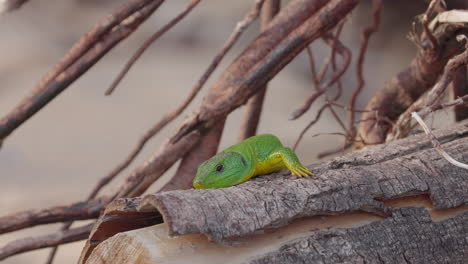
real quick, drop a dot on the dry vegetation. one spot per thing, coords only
(439, 66)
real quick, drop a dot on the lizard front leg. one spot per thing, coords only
(291, 162)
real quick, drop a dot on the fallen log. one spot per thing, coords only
(366, 183)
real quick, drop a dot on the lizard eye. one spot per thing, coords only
(219, 168)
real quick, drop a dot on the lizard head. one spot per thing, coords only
(222, 170)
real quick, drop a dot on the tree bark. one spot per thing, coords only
(400, 92)
(409, 236)
(368, 181)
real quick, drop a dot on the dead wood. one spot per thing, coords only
(77, 211)
(51, 240)
(81, 57)
(285, 37)
(407, 86)
(205, 149)
(409, 236)
(290, 31)
(209, 142)
(120, 216)
(355, 182)
(433, 96)
(362, 181)
(298, 24)
(255, 104)
(301, 22)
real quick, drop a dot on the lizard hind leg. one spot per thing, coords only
(291, 162)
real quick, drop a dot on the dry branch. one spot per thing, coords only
(457, 102)
(336, 46)
(298, 24)
(254, 106)
(402, 126)
(407, 86)
(436, 143)
(377, 6)
(291, 30)
(208, 145)
(205, 149)
(149, 42)
(77, 211)
(81, 57)
(33, 243)
(235, 35)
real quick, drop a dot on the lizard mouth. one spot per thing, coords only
(200, 184)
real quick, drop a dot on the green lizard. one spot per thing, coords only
(256, 155)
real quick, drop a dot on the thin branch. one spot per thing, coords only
(148, 43)
(436, 143)
(425, 23)
(254, 106)
(346, 54)
(50, 240)
(81, 57)
(30, 218)
(104, 181)
(428, 109)
(208, 145)
(313, 71)
(349, 109)
(377, 6)
(240, 27)
(336, 45)
(314, 121)
(401, 127)
(306, 105)
(405, 87)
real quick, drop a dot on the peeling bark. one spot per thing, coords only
(359, 181)
(362, 181)
(120, 216)
(409, 236)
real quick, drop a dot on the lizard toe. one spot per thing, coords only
(306, 171)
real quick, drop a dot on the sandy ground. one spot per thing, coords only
(57, 156)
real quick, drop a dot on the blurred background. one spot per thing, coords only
(57, 156)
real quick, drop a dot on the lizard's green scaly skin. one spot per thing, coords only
(257, 155)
